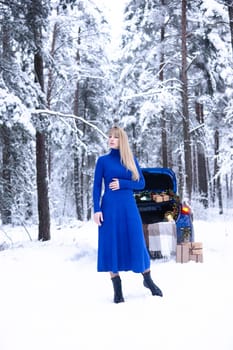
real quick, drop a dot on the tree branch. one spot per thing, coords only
(63, 115)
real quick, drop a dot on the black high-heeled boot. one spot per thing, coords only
(148, 283)
(118, 296)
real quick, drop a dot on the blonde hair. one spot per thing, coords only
(127, 158)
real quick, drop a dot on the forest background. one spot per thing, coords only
(169, 83)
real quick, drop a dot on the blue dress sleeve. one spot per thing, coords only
(133, 184)
(97, 187)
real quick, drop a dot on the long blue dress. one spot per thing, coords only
(121, 243)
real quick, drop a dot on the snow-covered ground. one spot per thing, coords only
(52, 298)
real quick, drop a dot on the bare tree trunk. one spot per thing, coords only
(41, 162)
(78, 185)
(84, 178)
(230, 12)
(6, 200)
(79, 156)
(81, 160)
(163, 114)
(210, 183)
(231, 187)
(170, 141)
(180, 177)
(78, 161)
(49, 91)
(227, 186)
(217, 182)
(91, 164)
(42, 187)
(50, 70)
(201, 159)
(185, 111)
(202, 176)
(164, 140)
(195, 172)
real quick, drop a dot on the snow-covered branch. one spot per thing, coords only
(150, 92)
(197, 127)
(64, 115)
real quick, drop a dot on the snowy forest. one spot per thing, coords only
(64, 82)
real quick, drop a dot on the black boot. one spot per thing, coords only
(148, 283)
(118, 297)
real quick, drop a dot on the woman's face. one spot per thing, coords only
(113, 140)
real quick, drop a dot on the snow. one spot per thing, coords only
(113, 11)
(14, 111)
(53, 298)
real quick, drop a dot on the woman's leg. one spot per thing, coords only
(149, 283)
(112, 274)
(116, 281)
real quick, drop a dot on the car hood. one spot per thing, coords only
(159, 179)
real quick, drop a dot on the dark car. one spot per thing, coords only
(159, 202)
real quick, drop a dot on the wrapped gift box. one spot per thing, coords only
(191, 251)
(166, 198)
(157, 198)
(182, 253)
(196, 252)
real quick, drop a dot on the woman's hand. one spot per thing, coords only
(98, 218)
(114, 185)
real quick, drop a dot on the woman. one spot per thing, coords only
(121, 244)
